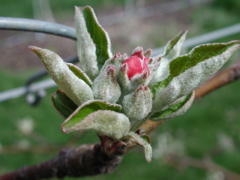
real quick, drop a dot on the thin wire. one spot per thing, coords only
(22, 24)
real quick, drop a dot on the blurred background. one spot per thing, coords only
(203, 144)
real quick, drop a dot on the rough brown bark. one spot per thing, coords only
(86, 160)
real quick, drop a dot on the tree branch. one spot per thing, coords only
(86, 160)
(182, 162)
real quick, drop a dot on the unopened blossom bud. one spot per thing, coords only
(136, 64)
(137, 105)
(106, 87)
(116, 61)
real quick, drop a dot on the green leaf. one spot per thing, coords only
(76, 89)
(87, 108)
(104, 122)
(64, 105)
(171, 51)
(211, 53)
(179, 107)
(80, 74)
(135, 138)
(86, 48)
(98, 35)
(189, 71)
(173, 47)
(146, 138)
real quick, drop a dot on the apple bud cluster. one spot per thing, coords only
(115, 95)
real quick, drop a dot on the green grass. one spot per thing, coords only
(12, 8)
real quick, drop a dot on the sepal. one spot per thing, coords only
(116, 61)
(130, 85)
(148, 53)
(123, 78)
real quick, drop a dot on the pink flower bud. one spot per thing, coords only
(136, 64)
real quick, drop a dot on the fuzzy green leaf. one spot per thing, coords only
(87, 108)
(171, 51)
(147, 138)
(76, 89)
(104, 122)
(80, 74)
(98, 35)
(135, 138)
(173, 47)
(190, 70)
(215, 56)
(86, 48)
(64, 105)
(179, 107)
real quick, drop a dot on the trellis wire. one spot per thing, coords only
(22, 24)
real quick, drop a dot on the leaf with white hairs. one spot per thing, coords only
(76, 89)
(84, 110)
(188, 71)
(177, 108)
(104, 122)
(171, 51)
